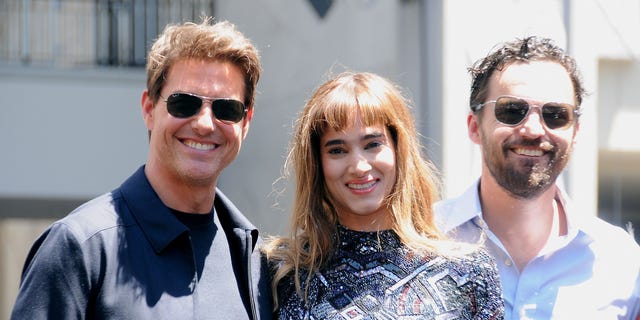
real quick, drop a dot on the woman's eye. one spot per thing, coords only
(336, 151)
(373, 145)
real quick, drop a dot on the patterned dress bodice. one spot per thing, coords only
(372, 275)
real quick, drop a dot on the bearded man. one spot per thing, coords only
(554, 262)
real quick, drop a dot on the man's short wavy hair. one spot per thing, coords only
(205, 41)
(522, 50)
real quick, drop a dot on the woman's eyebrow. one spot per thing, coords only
(334, 142)
(368, 136)
(372, 135)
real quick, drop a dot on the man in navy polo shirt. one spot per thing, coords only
(166, 244)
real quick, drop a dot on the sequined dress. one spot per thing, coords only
(373, 276)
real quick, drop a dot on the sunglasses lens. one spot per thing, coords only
(510, 110)
(182, 105)
(228, 110)
(557, 115)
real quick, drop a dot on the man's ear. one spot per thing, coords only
(249, 114)
(246, 122)
(147, 109)
(576, 129)
(473, 128)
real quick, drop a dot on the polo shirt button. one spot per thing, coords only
(507, 262)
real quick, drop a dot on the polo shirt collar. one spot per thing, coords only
(158, 224)
(229, 212)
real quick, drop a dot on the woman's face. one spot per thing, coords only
(359, 169)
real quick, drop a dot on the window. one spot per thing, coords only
(80, 33)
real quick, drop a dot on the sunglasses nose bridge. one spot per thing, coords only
(538, 110)
(205, 113)
(205, 103)
(533, 122)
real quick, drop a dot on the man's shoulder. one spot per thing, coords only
(453, 212)
(604, 233)
(469, 198)
(94, 216)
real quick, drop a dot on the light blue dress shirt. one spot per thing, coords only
(590, 273)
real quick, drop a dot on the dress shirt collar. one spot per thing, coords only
(467, 208)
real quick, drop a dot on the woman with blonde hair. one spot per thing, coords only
(363, 243)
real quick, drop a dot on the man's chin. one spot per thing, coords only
(527, 186)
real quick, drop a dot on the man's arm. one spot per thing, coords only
(635, 306)
(55, 283)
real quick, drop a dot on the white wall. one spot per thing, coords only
(69, 134)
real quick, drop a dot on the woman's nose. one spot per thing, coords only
(361, 164)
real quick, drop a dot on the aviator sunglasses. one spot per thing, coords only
(184, 105)
(512, 111)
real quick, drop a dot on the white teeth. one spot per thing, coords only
(199, 146)
(361, 186)
(528, 152)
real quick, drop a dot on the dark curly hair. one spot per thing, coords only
(521, 50)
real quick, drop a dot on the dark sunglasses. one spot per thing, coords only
(185, 105)
(513, 110)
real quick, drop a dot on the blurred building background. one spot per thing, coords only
(72, 74)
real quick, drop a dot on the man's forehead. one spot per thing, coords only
(535, 80)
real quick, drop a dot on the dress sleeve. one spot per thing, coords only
(55, 282)
(490, 304)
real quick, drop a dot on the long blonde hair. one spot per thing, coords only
(313, 223)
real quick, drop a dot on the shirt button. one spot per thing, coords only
(507, 262)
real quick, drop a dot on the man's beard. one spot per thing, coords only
(530, 179)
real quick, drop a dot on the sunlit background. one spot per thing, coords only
(72, 74)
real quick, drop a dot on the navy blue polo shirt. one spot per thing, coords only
(124, 255)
